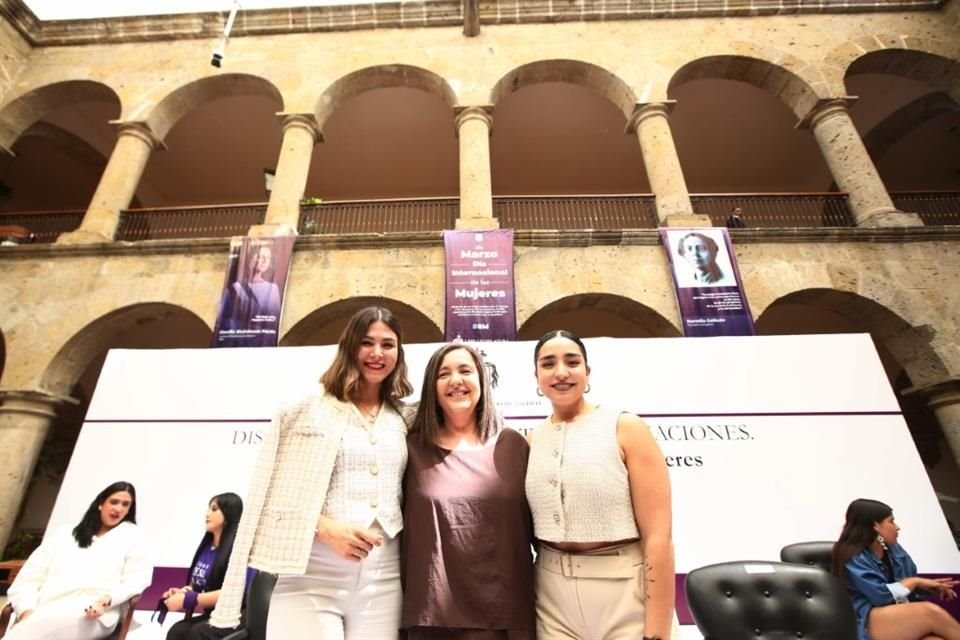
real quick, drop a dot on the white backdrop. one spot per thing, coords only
(769, 438)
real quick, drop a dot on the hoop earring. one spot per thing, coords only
(539, 393)
(881, 542)
(587, 390)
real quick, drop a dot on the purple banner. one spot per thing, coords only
(252, 298)
(481, 304)
(707, 282)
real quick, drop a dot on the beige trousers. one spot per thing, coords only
(596, 595)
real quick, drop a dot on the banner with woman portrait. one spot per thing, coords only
(253, 288)
(707, 282)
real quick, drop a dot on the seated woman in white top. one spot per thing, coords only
(77, 582)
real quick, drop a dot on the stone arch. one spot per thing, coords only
(786, 77)
(324, 325)
(381, 77)
(929, 60)
(908, 345)
(879, 138)
(183, 100)
(152, 325)
(17, 115)
(905, 351)
(591, 315)
(575, 72)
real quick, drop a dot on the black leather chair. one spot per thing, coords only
(769, 600)
(815, 554)
(258, 606)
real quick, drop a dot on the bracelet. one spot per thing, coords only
(190, 600)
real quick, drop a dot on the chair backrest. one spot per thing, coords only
(816, 554)
(769, 600)
(258, 604)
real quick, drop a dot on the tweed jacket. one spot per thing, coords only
(287, 493)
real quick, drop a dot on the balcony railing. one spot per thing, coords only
(46, 226)
(190, 222)
(777, 209)
(576, 212)
(935, 207)
(514, 212)
(379, 216)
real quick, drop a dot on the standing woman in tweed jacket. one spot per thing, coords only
(323, 509)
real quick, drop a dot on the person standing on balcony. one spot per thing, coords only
(735, 221)
(323, 510)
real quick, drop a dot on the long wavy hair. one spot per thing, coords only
(342, 379)
(858, 532)
(91, 522)
(426, 426)
(231, 505)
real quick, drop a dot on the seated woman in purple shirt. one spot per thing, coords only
(466, 555)
(208, 568)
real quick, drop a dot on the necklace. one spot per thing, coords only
(369, 414)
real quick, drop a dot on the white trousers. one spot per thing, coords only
(59, 620)
(338, 599)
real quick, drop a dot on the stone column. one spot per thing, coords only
(943, 397)
(474, 126)
(852, 168)
(118, 184)
(651, 122)
(301, 133)
(25, 418)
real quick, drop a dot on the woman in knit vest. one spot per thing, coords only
(599, 492)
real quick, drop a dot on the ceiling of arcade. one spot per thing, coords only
(549, 138)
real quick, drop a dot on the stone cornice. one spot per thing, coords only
(399, 15)
(522, 238)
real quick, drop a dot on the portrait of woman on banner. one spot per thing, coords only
(251, 300)
(700, 259)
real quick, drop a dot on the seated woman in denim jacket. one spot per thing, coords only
(878, 572)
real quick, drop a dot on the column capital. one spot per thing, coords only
(305, 121)
(824, 109)
(32, 402)
(140, 130)
(482, 112)
(942, 393)
(644, 110)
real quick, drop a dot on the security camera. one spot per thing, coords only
(218, 53)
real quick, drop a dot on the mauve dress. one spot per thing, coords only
(466, 555)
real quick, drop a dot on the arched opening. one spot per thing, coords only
(734, 125)
(220, 134)
(593, 315)
(909, 117)
(905, 353)
(388, 133)
(63, 130)
(559, 129)
(324, 325)
(74, 371)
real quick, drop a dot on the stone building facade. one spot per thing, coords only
(890, 272)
